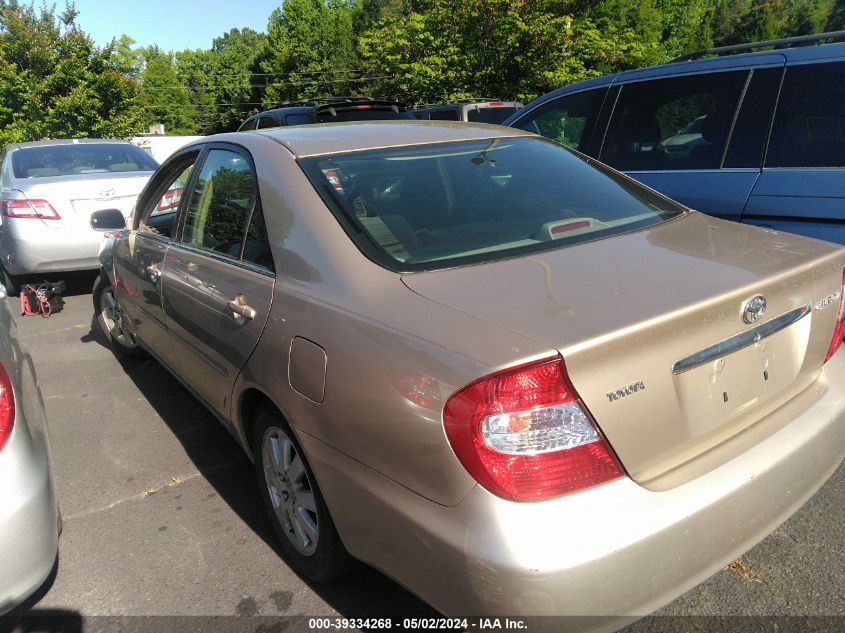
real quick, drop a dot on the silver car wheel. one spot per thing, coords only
(114, 319)
(290, 491)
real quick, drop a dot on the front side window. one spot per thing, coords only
(567, 120)
(297, 119)
(809, 126)
(160, 211)
(671, 124)
(221, 204)
(80, 158)
(439, 205)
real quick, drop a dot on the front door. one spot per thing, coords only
(218, 279)
(139, 258)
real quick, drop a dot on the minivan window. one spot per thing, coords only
(221, 203)
(654, 122)
(809, 126)
(567, 120)
(438, 205)
(266, 122)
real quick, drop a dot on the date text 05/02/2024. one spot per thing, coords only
(425, 624)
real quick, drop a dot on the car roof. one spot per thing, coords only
(332, 138)
(67, 141)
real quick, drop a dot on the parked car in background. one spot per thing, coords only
(474, 110)
(29, 520)
(48, 190)
(513, 379)
(768, 146)
(161, 146)
(334, 110)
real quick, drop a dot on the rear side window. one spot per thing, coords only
(82, 158)
(809, 126)
(568, 120)
(493, 115)
(748, 139)
(266, 121)
(444, 115)
(439, 205)
(361, 114)
(247, 125)
(297, 119)
(676, 123)
(221, 204)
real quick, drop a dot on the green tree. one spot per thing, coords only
(310, 50)
(55, 83)
(165, 99)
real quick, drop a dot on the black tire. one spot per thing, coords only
(121, 341)
(11, 283)
(328, 560)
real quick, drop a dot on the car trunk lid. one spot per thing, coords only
(76, 197)
(650, 326)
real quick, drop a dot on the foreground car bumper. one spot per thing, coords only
(617, 550)
(28, 520)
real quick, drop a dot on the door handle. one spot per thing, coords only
(240, 307)
(154, 272)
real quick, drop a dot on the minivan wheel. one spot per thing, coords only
(112, 319)
(308, 538)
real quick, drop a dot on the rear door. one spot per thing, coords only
(218, 279)
(687, 137)
(139, 256)
(802, 187)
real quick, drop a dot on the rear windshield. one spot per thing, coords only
(368, 114)
(490, 114)
(439, 205)
(84, 158)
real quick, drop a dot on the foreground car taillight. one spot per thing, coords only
(28, 209)
(524, 434)
(7, 407)
(839, 330)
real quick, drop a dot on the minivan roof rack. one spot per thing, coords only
(786, 41)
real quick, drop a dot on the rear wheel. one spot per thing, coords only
(309, 541)
(11, 283)
(112, 319)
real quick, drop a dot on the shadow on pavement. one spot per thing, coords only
(222, 462)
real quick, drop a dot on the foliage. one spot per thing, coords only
(55, 83)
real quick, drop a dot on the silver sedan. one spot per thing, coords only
(28, 511)
(48, 190)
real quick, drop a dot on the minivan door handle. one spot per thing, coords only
(240, 307)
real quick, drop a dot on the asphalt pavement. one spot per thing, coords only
(162, 515)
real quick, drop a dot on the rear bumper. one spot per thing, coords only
(42, 249)
(28, 523)
(617, 550)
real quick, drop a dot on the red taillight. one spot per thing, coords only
(524, 435)
(170, 199)
(839, 330)
(496, 104)
(362, 107)
(7, 407)
(28, 209)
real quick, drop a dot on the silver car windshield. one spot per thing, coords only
(83, 158)
(439, 205)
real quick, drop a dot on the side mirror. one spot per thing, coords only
(108, 220)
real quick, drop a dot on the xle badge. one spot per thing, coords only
(627, 390)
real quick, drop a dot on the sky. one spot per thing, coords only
(171, 24)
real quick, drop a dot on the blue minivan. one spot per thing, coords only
(755, 137)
